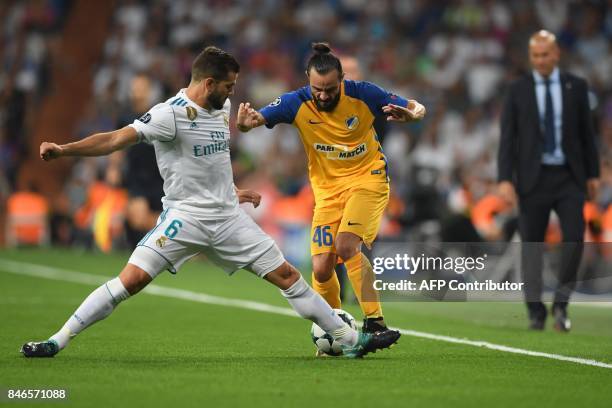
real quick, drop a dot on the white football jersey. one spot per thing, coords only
(192, 147)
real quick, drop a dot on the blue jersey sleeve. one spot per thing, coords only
(282, 110)
(373, 95)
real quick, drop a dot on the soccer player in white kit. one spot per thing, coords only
(190, 134)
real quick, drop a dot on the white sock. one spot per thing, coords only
(310, 305)
(98, 305)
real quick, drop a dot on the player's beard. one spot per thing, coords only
(216, 100)
(329, 105)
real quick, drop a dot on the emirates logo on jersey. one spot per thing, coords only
(191, 113)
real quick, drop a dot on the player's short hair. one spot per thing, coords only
(323, 60)
(213, 62)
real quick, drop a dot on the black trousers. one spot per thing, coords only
(556, 190)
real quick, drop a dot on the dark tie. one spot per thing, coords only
(549, 121)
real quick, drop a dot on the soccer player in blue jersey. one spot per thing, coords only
(347, 168)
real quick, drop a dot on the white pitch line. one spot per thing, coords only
(500, 347)
(28, 269)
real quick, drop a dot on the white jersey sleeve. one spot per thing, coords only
(159, 123)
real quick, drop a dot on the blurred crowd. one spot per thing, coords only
(454, 56)
(28, 30)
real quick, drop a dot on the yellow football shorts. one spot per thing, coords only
(358, 210)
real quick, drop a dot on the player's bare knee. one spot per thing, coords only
(347, 250)
(347, 245)
(323, 266)
(284, 276)
(322, 274)
(134, 279)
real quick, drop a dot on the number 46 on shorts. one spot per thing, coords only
(322, 236)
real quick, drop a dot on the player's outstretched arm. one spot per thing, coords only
(98, 144)
(414, 111)
(248, 118)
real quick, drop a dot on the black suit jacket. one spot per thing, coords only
(521, 144)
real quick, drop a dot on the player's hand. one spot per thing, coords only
(414, 111)
(246, 118)
(248, 196)
(506, 191)
(50, 151)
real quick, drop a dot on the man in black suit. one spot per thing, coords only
(548, 158)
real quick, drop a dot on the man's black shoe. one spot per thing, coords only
(537, 316)
(562, 322)
(537, 323)
(374, 325)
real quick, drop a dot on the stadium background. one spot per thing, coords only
(74, 67)
(68, 69)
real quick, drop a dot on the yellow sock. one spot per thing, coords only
(359, 270)
(329, 290)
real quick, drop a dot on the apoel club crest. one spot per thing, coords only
(352, 122)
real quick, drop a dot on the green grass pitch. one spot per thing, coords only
(159, 351)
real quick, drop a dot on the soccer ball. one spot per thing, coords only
(324, 342)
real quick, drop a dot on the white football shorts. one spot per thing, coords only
(231, 243)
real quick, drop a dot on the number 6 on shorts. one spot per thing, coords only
(173, 228)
